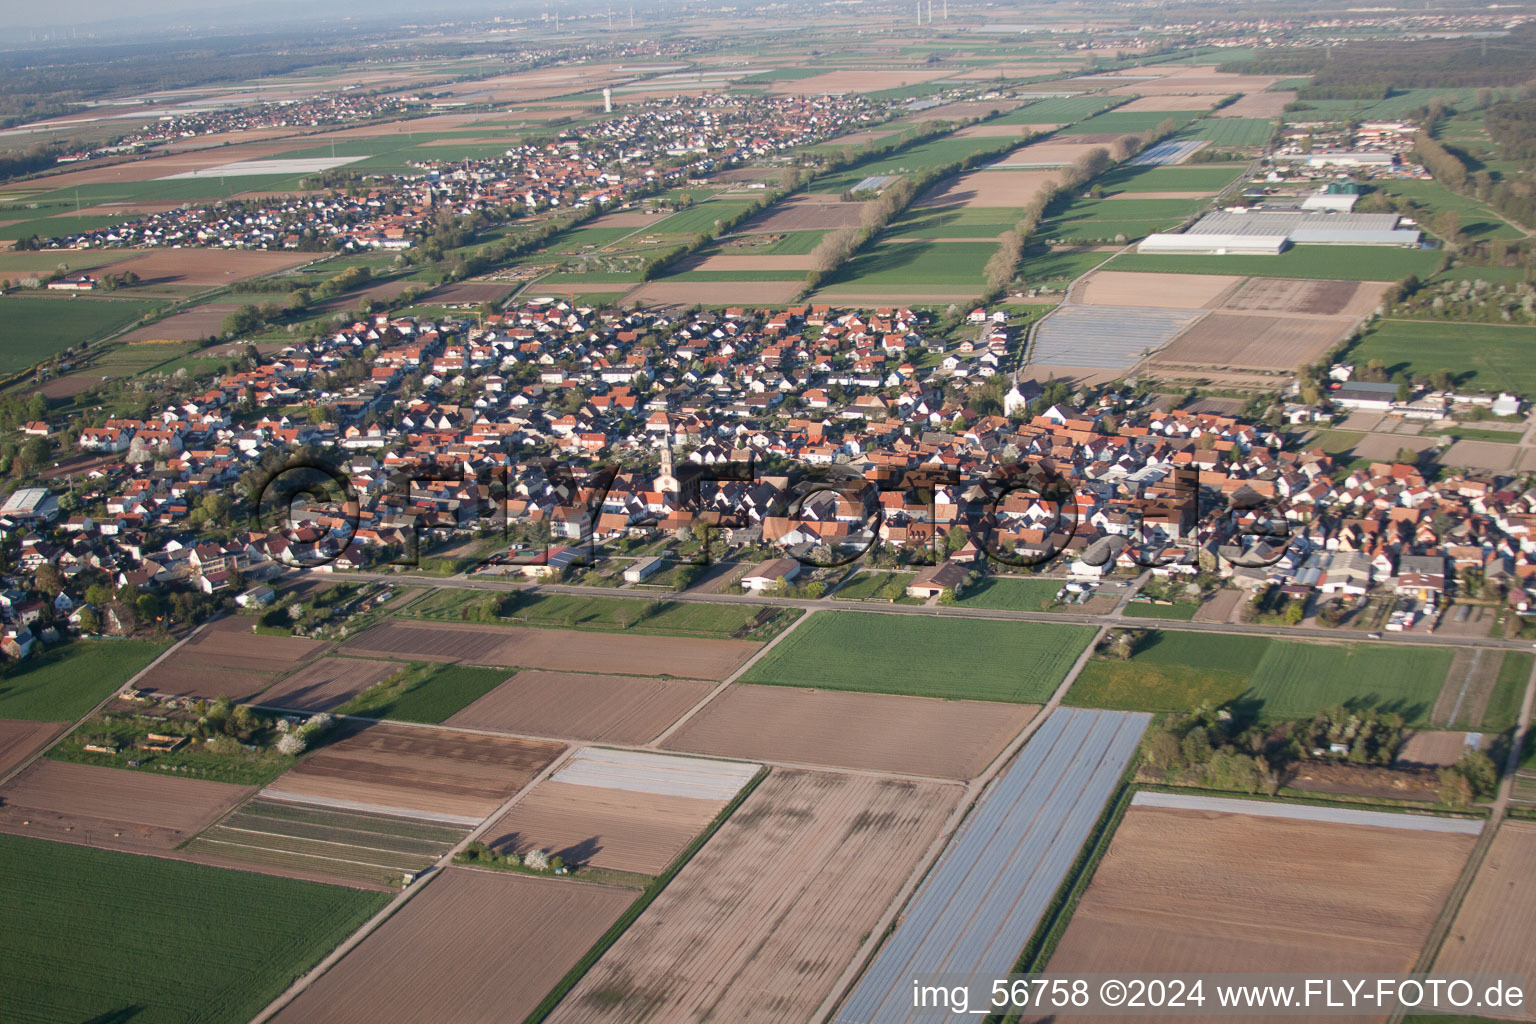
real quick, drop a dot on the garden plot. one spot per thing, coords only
(997, 878)
(1254, 342)
(953, 739)
(568, 705)
(746, 932)
(324, 844)
(476, 947)
(1168, 291)
(431, 774)
(1491, 934)
(1107, 338)
(111, 808)
(626, 810)
(561, 650)
(1236, 891)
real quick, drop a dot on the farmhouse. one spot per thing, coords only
(935, 579)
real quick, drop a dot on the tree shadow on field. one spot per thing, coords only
(582, 852)
(121, 1016)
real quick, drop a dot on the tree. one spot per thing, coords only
(1454, 790)
(89, 621)
(1294, 613)
(48, 580)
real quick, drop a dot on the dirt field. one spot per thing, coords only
(225, 659)
(1432, 748)
(1052, 151)
(194, 325)
(950, 739)
(1165, 291)
(991, 130)
(328, 683)
(1492, 931)
(430, 773)
(834, 82)
(1323, 298)
(745, 932)
(1258, 104)
(185, 675)
(383, 291)
(989, 188)
(1251, 341)
(1153, 104)
(477, 947)
(1239, 892)
(807, 212)
(208, 267)
(623, 220)
(559, 649)
(565, 705)
(713, 293)
(606, 828)
(18, 740)
(113, 808)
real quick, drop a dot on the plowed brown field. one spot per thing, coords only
(713, 293)
(1492, 932)
(1164, 291)
(18, 740)
(476, 947)
(559, 649)
(567, 705)
(1238, 892)
(762, 921)
(607, 828)
(1324, 298)
(952, 739)
(808, 212)
(328, 683)
(1253, 341)
(113, 808)
(429, 772)
(989, 188)
(208, 267)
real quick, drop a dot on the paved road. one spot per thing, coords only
(1112, 619)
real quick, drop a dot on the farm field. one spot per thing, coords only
(437, 775)
(1104, 220)
(912, 735)
(1124, 122)
(416, 966)
(225, 659)
(626, 810)
(111, 808)
(1024, 595)
(1056, 110)
(970, 659)
(425, 693)
(1485, 357)
(1478, 221)
(633, 615)
(1172, 291)
(41, 325)
(19, 739)
(922, 263)
(1175, 671)
(63, 683)
(996, 879)
(1488, 933)
(994, 193)
(328, 683)
(744, 918)
(1240, 892)
(952, 221)
(63, 913)
(565, 705)
(1350, 299)
(1231, 131)
(1334, 262)
(1208, 178)
(1253, 341)
(562, 650)
(322, 843)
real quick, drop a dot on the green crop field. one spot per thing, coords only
(794, 243)
(1172, 671)
(918, 265)
(725, 276)
(428, 693)
(934, 153)
(1123, 122)
(1487, 357)
(1329, 262)
(16, 265)
(1508, 691)
(1297, 679)
(61, 684)
(953, 222)
(37, 326)
(1231, 131)
(972, 659)
(1103, 219)
(171, 188)
(581, 238)
(1038, 268)
(1183, 611)
(1011, 595)
(1210, 178)
(1057, 110)
(96, 936)
(609, 614)
(58, 227)
(700, 217)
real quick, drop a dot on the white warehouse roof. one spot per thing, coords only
(1266, 245)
